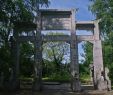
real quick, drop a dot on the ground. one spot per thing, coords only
(58, 89)
(57, 92)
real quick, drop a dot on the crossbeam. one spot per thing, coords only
(49, 38)
(84, 25)
(56, 38)
(85, 38)
(26, 38)
(45, 38)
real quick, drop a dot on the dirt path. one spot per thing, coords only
(59, 89)
(57, 92)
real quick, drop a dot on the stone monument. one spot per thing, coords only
(51, 19)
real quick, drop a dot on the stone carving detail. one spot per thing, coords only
(101, 83)
(107, 79)
(75, 84)
(91, 67)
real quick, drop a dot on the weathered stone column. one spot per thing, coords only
(97, 61)
(1, 80)
(97, 55)
(37, 84)
(74, 66)
(15, 59)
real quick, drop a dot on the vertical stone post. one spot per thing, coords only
(97, 55)
(15, 59)
(74, 66)
(1, 80)
(37, 84)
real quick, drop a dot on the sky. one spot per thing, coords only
(82, 6)
(83, 14)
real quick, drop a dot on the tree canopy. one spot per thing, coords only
(10, 12)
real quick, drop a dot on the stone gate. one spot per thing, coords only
(57, 20)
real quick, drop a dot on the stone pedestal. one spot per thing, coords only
(101, 84)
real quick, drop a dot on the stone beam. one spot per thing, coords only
(26, 38)
(55, 11)
(85, 38)
(56, 38)
(45, 38)
(85, 25)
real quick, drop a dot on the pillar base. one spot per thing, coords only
(76, 86)
(37, 85)
(14, 85)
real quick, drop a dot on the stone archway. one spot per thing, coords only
(59, 20)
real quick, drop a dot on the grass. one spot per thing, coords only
(85, 79)
(59, 78)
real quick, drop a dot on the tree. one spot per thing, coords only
(88, 56)
(103, 9)
(26, 59)
(12, 11)
(88, 53)
(56, 56)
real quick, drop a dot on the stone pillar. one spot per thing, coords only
(15, 59)
(74, 66)
(37, 84)
(91, 67)
(97, 55)
(1, 80)
(97, 61)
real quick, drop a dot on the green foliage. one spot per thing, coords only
(103, 9)
(56, 52)
(26, 61)
(52, 74)
(10, 12)
(88, 55)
